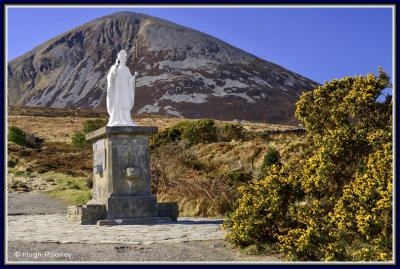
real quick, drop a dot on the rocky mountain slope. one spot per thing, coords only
(183, 72)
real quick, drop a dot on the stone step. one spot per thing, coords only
(133, 221)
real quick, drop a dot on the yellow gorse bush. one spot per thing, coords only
(263, 207)
(338, 205)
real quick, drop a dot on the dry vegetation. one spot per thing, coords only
(42, 121)
(203, 178)
(200, 177)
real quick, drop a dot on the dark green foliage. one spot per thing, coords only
(93, 125)
(272, 157)
(166, 136)
(79, 140)
(22, 173)
(232, 131)
(200, 131)
(237, 178)
(12, 163)
(18, 136)
(260, 136)
(233, 178)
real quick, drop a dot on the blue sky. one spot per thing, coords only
(318, 43)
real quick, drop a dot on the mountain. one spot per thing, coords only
(182, 72)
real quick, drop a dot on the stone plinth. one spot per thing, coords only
(121, 162)
(169, 209)
(132, 207)
(121, 178)
(87, 214)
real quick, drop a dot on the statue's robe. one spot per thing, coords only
(120, 96)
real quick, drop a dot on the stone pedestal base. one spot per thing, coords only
(121, 180)
(134, 221)
(124, 211)
(87, 214)
(124, 207)
(169, 209)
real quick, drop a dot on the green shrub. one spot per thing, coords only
(12, 163)
(93, 125)
(164, 137)
(22, 173)
(79, 140)
(200, 131)
(18, 136)
(237, 178)
(232, 178)
(231, 132)
(272, 157)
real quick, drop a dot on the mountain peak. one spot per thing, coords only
(125, 14)
(183, 72)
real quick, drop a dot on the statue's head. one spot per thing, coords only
(122, 56)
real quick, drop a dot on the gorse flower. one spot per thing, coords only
(337, 204)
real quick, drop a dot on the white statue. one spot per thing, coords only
(120, 93)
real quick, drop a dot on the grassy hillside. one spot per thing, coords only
(202, 177)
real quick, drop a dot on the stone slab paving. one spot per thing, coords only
(55, 228)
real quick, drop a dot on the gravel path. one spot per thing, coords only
(38, 231)
(199, 251)
(33, 204)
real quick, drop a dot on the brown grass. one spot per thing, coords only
(179, 172)
(47, 121)
(53, 156)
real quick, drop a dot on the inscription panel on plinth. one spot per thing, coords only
(131, 169)
(99, 161)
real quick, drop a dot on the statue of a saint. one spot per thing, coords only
(120, 93)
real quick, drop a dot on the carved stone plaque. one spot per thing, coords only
(100, 144)
(99, 161)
